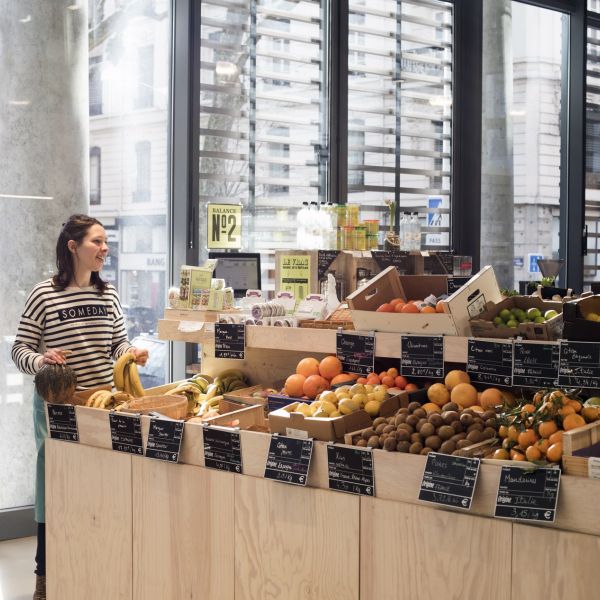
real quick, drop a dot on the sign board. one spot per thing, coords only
(294, 274)
(350, 470)
(528, 495)
(224, 222)
(230, 340)
(288, 459)
(126, 433)
(518, 262)
(356, 351)
(422, 356)
(222, 449)
(325, 259)
(62, 422)
(449, 480)
(164, 439)
(579, 364)
(535, 365)
(455, 283)
(532, 262)
(397, 258)
(490, 362)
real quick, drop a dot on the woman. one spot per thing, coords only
(74, 313)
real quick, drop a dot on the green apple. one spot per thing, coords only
(549, 314)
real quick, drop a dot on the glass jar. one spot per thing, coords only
(353, 217)
(342, 215)
(360, 236)
(348, 238)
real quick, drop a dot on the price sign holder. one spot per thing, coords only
(222, 449)
(535, 364)
(490, 362)
(126, 433)
(449, 480)
(288, 459)
(422, 356)
(62, 422)
(356, 351)
(230, 340)
(164, 439)
(528, 495)
(350, 469)
(579, 364)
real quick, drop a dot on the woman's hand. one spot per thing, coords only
(141, 355)
(56, 357)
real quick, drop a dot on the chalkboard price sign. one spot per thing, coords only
(325, 259)
(455, 283)
(222, 449)
(449, 480)
(397, 258)
(62, 422)
(422, 356)
(126, 433)
(579, 364)
(528, 495)
(288, 460)
(535, 365)
(230, 340)
(164, 439)
(350, 470)
(356, 351)
(490, 362)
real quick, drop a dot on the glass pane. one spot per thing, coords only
(400, 112)
(129, 57)
(523, 73)
(262, 109)
(593, 5)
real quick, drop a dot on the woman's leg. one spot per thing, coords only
(40, 555)
(40, 432)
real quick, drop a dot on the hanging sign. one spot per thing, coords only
(230, 340)
(222, 449)
(579, 364)
(356, 352)
(224, 222)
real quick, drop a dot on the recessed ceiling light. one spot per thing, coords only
(19, 102)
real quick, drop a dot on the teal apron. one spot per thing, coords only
(40, 431)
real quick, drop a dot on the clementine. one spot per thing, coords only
(307, 367)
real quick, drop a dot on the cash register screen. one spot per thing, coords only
(240, 270)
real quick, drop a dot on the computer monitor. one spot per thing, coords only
(240, 270)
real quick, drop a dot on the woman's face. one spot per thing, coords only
(91, 252)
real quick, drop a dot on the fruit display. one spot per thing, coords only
(55, 383)
(431, 305)
(126, 377)
(512, 317)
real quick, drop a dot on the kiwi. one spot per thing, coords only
(469, 411)
(382, 438)
(391, 420)
(402, 411)
(355, 439)
(362, 443)
(378, 421)
(407, 427)
(450, 406)
(414, 406)
(373, 441)
(449, 416)
(416, 437)
(400, 419)
(426, 451)
(488, 414)
(421, 413)
(367, 433)
(466, 419)
(389, 429)
(488, 433)
(436, 419)
(462, 444)
(448, 447)
(421, 423)
(475, 427)
(490, 423)
(427, 429)
(457, 426)
(474, 436)
(393, 434)
(412, 420)
(445, 432)
(458, 436)
(416, 448)
(403, 446)
(379, 429)
(434, 442)
(390, 444)
(402, 435)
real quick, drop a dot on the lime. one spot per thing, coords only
(532, 313)
(498, 321)
(549, 314)
(539, 319)
(512, 323)
(505, 315)
(593, 401)
(502, 325)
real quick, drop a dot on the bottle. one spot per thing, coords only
(403, 241)
(301, 232)
(312, 225)
(332, 210)
(416, 231)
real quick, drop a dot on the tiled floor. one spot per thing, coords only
(17, 580)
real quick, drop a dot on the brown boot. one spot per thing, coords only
(40, 588)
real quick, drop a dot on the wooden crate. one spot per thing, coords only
(578, 445)
(249, 417)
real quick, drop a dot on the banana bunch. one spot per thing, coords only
(126, 377)
(230, 381)
(109, 400)
(192, 392)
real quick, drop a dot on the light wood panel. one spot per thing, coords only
(554, 565)
(183, 536)
(416, 552)
(89, 523)
(294, 543)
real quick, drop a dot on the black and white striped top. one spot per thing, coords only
(79, 319)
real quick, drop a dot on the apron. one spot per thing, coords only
(40, 431)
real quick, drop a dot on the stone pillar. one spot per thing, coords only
(497, 194)
(43, 179)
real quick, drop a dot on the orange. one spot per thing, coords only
(516, 455)
(526, 410)
(431, 407)
(411, 387)
(557, 437)
(555, 451)
(513, 433)
(464, 394)
(330, 367)
(294, 385)
(547, 428)
(307, 367)
(503, 431)
(400, 382)
(533, 453)
(410, 308)
(575, 404)
(393, 372)
(501, 454)
(543, 445)
(428, 309)
(362, 380)
(314, 385)
(573, 421)
(398, 307)
(439, 307)
(527, 438)
(373, 378)
(538, 398)
(491, 398)
(395, 301)
(438, 394)
(567, 410)
(387, 380)
(385, 308)
(382, 375)
(454, 377)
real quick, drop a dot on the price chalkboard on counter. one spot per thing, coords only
(579, 364)
(449, 480)
(230, 340)
(439, 263)
(62, 422)
(164, 439)
(288, 459)
(528, 495)
(325, 259)
(126, 433)
(397, 258)
(350, 470)
(455, 283)
(490, 362)
(535, 364)
(222, 449)
(422, 356)
(356, 351)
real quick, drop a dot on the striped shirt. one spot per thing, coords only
(82, 320)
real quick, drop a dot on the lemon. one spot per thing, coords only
(314, 407)
(303, 408)
(320, 414)
(357, 388)
(360, 399)
(369, 387)
(335, 413)
(347, 406)
(380, 396)
(328, 407)
(328, 396)
(372, 408)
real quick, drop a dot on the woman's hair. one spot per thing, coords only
(75, 229)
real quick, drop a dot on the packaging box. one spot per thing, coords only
(483, 325)
(576, 326)
(467, 302)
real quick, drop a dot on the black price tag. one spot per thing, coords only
(579, 364)
(449, 480)
(230, 340)
(288, 459)
(535, 365)
(126, 433)
(422, 356)
(455, 283)
(222, 449)
(350, 470)
(439, 263)
(528, 495)
(356, 351)
(62, 422)
(325, 259)
(164, 439)
(387, 258)
(490, 362)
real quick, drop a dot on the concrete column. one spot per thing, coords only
(43, 179)
(497, 195)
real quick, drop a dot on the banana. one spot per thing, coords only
(137, 389)
(100, 397)
(212, 390)
(119, 369)
(90, 401)
(126, 381)
(204, 376)
(121, 397)
(232, 373)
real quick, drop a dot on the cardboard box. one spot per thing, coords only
(483, 325)
(576, 326)
(466, 303)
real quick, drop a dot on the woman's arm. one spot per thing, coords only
(25, 351)
(120, 342)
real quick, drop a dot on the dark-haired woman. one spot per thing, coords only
(73, 311)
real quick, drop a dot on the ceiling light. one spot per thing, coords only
(19, 102)
(517, 113)
(21, 197)
(73, 7)
(26, 19)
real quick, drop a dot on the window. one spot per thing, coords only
(95, 175)
(95, 80)
(145, 85)
(141, 192)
